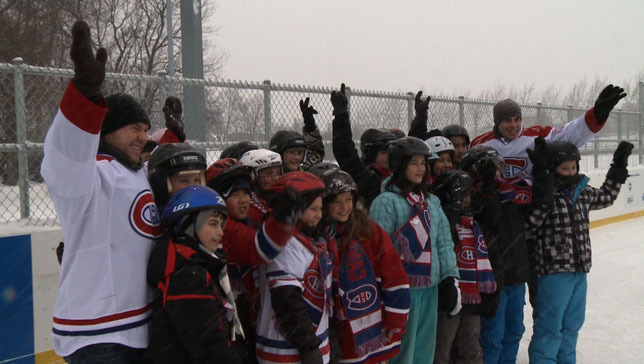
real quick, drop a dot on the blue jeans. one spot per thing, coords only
(106, 354)
(562, 311)
(501, 335)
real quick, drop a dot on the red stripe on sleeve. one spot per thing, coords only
(591, 121)
(190, 297)
(82, 112)
(279, 233)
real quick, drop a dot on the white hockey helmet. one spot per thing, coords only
(258, 159)
(439, 144)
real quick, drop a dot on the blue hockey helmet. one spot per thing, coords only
(190, 200)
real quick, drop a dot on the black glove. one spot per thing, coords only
(543, 183)
(606, 101)
(490, 304)
(618, 171)
(312, 357)
(172, 112)
(89, 70)
(287, 206)
(339, 101)
(487, 170)
(307, 115)
(59, 251)
(620, 157)
(421, 106)
(449, 296)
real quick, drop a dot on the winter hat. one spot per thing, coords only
(123, 110)
(231, 185)
(505, 109)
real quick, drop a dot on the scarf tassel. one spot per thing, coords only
(371, 345)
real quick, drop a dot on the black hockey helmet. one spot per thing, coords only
(338, 181)
(373, 141)
(456, 130)
(405, 147)
(168, 160)
(452, 187)
(286, 139)
(475, 158)
(236, 150)
(560, 151)
(319, 168)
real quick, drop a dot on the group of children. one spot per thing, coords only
(410, 279)
(275, 256)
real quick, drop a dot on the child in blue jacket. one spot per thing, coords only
(420, 232)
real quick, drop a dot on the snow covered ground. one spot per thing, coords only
(614, 327)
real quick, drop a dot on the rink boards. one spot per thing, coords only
(29, 276)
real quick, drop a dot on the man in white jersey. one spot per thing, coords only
(107, 214)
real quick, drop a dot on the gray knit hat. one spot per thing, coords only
(505, 109)
(122, 110)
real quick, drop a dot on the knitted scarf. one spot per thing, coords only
(472, 260)
(317, 278)
(383, 172)
(518, 190)
(415, 243)
(358, 296)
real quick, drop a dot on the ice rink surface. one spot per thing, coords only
(614, 328)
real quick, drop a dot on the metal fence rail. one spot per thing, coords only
(237, 110)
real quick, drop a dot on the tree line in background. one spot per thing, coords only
(135, 34)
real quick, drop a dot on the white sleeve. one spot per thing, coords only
(575, 131)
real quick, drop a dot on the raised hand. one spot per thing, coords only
(606, 101)
(172, 111)
(421, 106)
(339, 101)
(89, 69)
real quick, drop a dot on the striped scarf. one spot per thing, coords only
(358, 293)
(472, 260)
(317, 279)
(415, 243)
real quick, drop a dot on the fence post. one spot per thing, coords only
(267, 111)
(641, 123)
(21, 136)
(539, 116)
(619, 125)
(595, 153)
(163, 79)
(571, 114)
(461, 111)
(410, 108)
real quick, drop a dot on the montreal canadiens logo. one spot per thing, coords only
(144, 217)
(362, 297)
(467, 255)
(514, 167)
(482, 246)
(312, 284)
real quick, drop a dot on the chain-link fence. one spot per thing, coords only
(219, 113)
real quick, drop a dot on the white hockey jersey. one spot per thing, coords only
(290, 268)
(109, 223)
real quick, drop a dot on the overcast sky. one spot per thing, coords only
(439, 46)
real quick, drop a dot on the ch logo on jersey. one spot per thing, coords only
(144, 217)
(482, 245)
(312, 284)
(467, 255)
(514, 167)
(362, 297)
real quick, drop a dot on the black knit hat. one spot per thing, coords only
(505, 109)
(123, 110)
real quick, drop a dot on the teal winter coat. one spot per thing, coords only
(391, 211)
